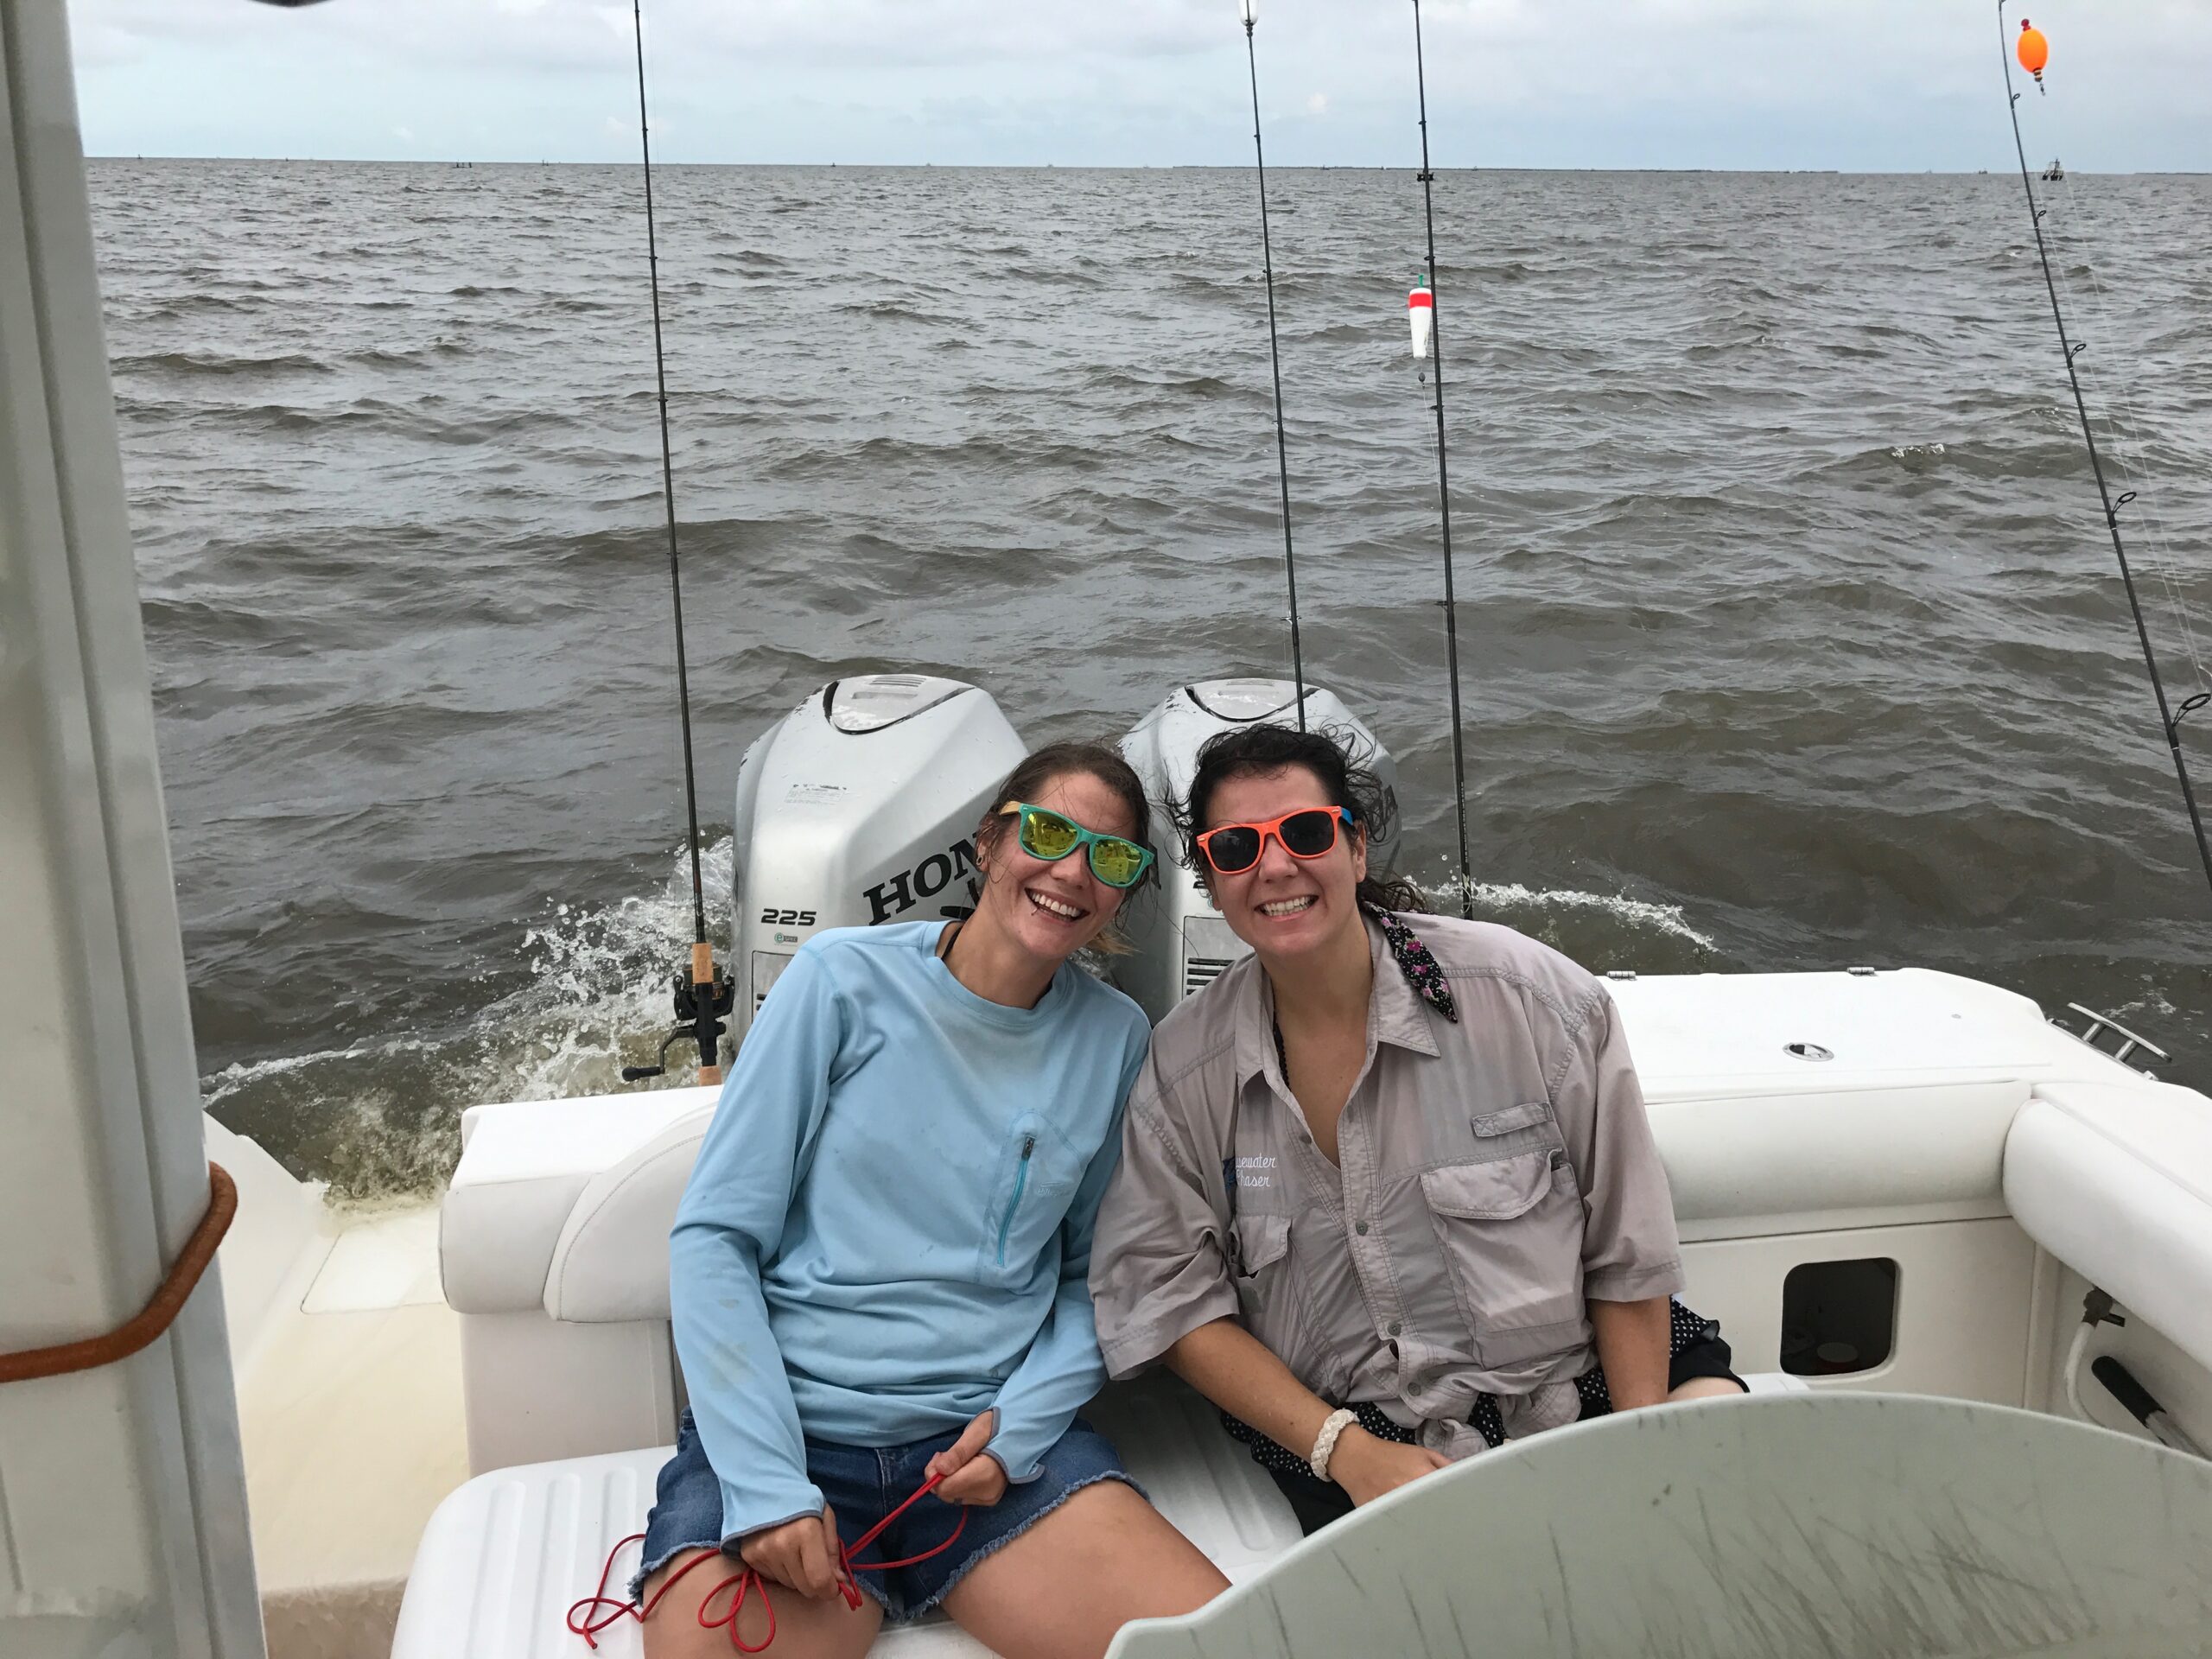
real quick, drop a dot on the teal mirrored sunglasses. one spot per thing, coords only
(1047, 835)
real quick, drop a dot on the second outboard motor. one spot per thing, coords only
(860, 807)
(1182, 944)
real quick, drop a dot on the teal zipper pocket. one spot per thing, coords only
(1013, 1205)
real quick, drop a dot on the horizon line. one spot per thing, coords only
(1138, 167)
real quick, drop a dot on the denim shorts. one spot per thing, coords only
(863, 1485)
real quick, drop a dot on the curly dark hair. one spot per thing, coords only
(1338, 762)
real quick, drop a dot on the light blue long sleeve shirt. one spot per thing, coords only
(888, 1229)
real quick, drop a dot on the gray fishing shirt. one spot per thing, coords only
(1494, 1175)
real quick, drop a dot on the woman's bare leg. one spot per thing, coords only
(1108, 1557)
(805, 1629)
(1707, 1388)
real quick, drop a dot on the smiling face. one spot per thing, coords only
(1052, 909)
(1285, 907)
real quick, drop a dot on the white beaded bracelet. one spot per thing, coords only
(1325, 1443)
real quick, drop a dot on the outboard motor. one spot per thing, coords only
(1182, 944)
(860, 807)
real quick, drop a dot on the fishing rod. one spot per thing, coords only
(1428, 344)
(2034, 53)
(1249, 12)
(703, 996)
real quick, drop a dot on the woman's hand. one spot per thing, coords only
(801, 1554)
(972, 1476)
(1367, 1466)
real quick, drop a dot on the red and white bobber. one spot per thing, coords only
(1420, 309)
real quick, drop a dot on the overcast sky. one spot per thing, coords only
(1884, 84)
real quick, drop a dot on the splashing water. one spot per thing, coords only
(1598, 930)
(1511, 899)
(382, 1120)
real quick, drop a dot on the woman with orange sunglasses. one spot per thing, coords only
(1388, 1195)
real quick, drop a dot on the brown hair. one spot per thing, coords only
(1339, 764)
(1028, 780)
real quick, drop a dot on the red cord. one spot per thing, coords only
(586, 1619)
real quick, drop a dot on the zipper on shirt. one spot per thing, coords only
(1020, 1180)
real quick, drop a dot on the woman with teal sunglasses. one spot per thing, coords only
(879, 1275)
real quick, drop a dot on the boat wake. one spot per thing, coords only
(382, 1121)
(1507, 901)
(1601, 930)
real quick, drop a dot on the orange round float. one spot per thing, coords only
(2034, 49)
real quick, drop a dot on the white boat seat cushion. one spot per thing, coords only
(1826, 1158)
(505, 1556)
(610, 1263)
(524, 1165)
(2115, 1180)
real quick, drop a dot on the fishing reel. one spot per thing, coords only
(701, 1007)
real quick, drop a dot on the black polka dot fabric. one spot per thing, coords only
(1415, 962)
(1695, 1349)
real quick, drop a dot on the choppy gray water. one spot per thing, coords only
(1791, 634)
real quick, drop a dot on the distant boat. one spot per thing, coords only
(2055, 172)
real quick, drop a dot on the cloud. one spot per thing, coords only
(1892, 83)
(517, 35)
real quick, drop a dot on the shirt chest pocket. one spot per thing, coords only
(1509, 1227)
(1035, 1182)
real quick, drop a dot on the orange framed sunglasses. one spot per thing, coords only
(1310, 832)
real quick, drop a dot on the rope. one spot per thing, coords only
(66, 1359)
(587, 1619)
